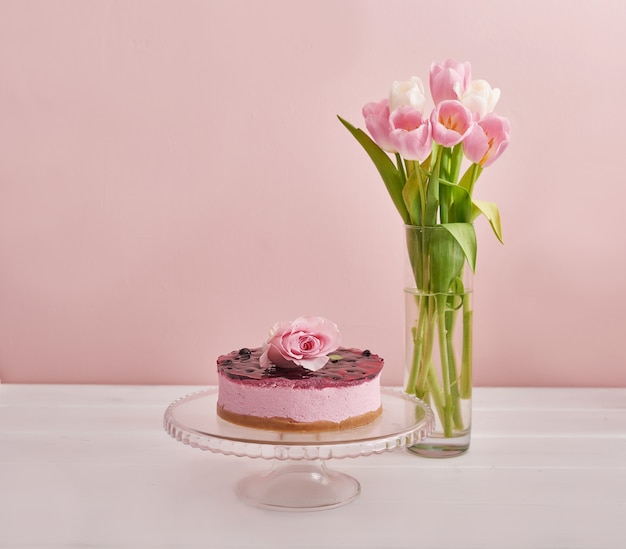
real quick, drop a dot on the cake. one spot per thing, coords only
(300, 380)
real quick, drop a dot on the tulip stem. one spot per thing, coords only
(466, 359)
(446, 376)
(475, 173)
(400, 164)
(455, 163)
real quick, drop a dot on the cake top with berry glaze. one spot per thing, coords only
(344, 365)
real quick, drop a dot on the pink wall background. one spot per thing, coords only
(173, 180)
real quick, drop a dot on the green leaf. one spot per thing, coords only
(446, 260)
(412, 200)
(465, 236)
(432, 189)
(417, 248)
(491, 212)
(470, 176)
(461, 208)
(386, 168)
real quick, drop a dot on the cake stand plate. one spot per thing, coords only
(299, 479)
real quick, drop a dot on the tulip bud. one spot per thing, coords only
(480, 98)
(407, 93)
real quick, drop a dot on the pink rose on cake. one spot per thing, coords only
(305, 342)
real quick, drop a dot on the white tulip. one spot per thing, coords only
(407, 93)
(480, 98)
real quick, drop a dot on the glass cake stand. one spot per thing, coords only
(299, 479)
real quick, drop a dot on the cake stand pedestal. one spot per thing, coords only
(299, 479)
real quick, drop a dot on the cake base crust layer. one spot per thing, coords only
(286, 424)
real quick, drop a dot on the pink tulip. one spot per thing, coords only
(377, 122)
(451, 123)
(449, 79)
(411, 134)
(488, 140)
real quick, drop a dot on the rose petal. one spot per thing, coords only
(313, 364)
(306, 342)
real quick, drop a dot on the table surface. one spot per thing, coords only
(91, 466)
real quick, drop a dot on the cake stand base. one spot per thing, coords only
(307, 486)
(298, 479)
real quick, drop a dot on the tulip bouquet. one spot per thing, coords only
(430, 164)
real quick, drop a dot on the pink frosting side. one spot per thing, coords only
(303, 405)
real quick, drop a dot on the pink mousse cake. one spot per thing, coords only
(343, 393)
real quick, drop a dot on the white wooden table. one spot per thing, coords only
(91, 466)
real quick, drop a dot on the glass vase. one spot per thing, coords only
(438, 336)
